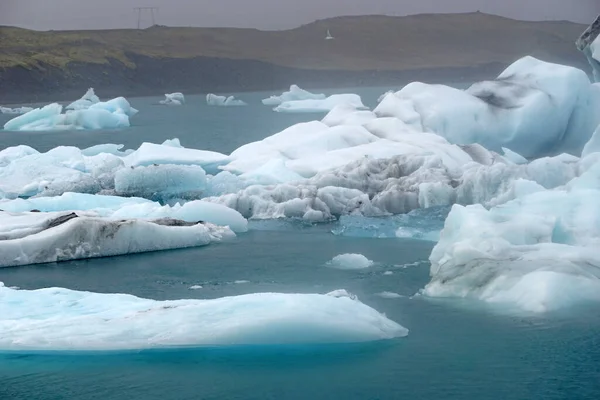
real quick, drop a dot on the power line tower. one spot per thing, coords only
(139, 14)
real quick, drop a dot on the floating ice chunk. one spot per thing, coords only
(387, 273)
(117, 105)
(109, 148)
(115, 207)
(85, 101)
(17, 110)
(589, 44)
(98, 321)
(240, 282)
(50, 118)
(324, 105)
(161, 182)
(35, 238)
(150, 153)
(295, 93)
(195, 287)
(537, 252)
(514, 157)
(223, 101)
(389, 295)
(350, 261)
(533, 108)
(173, 99)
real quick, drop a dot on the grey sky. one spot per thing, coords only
(266, 14)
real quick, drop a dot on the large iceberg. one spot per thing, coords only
(295, 93)
(98, 321)
(223, 101)
(173, 99)
(118, 208)
(17, 110)
(85, 102)
(35, 237)
(152, 170)
(321, 105)
(112, 114)
(538, 252)
(589, 44)
(533, 108)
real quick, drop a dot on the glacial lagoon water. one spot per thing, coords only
(455, 349)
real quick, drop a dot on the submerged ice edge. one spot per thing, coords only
(95, 321)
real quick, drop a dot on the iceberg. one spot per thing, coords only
(223, 101)
(24, 172)
(112, 114)
(17, 110)
(98, 321)
(537, 252)
(589, 44)
(349, 261)
(321, 105)
(173, 99)
(534, 108)
(85, 101)
(295, 93)
(118, 208)
(36, 238)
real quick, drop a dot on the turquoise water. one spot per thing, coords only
(455, 349)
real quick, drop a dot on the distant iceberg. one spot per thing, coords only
(37, 237)
(173, 99)
(295, 93)
(323, 105)
(17, 110)
(589, 44)
(98, 321)
(111, 114)
(87, 100)
(534, 108)
(223, 101)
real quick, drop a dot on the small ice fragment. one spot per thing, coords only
(389, 295)
(195, 287)
(350, 261)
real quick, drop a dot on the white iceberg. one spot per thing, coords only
(17, 110)
(24, 172)
(349, 261)
(36, 238)
(85, 101)
(295, 93)
(112, 114)
(537, 252)
(223, 101)
(589, 44)
(173, 99)
(322, 105)
(118, 208)
(98, 321)
(533, 108)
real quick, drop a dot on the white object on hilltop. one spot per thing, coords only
(173, 99)
(537, 252)
(85, 101)
(350, 261)
(18, 110)
(99, 321)
(589, 44)
(111, 114)
(35, 238)
(324, 105)
(223, 101)
(295, 93)
(328, 37)
(533, 108)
